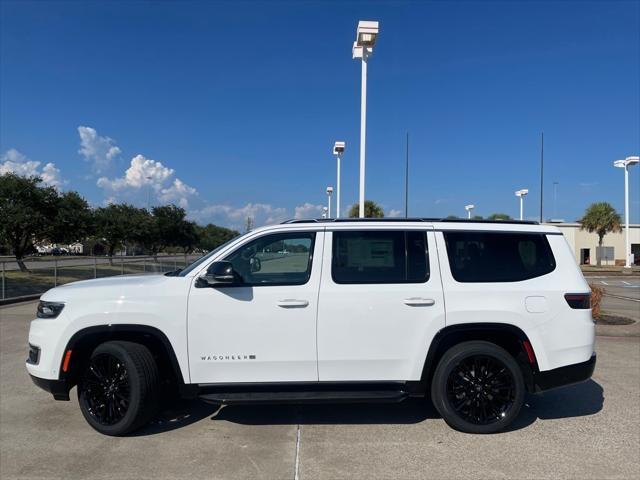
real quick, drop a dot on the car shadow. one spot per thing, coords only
(178, 414)
(413, 410)
(579, 400)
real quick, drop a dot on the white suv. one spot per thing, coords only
(475, 314)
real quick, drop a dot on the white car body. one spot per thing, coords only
(323, 331)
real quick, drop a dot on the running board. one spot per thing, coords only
(357, 396)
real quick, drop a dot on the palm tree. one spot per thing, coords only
(371, 210)
(600, 218)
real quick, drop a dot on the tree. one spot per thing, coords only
(211, 236)
(171, 229)
(452, 217)
(371, 210)
(27, 209)
(498, 216)
(118, 224)
(73, 221)
(600, 218)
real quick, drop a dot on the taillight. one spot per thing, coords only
(578, 300)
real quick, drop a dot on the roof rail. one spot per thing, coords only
(401, 219)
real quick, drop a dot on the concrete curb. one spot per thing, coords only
(632, 330)
(24, 298)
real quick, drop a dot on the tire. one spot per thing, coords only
(120, 388)
(478, 387)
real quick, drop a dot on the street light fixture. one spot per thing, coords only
(324, 212)
(366, 36)
(468, 208)
(522, 193)
(329, 193)
(626, 163)
(338, 150)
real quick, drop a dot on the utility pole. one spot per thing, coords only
(541, 174)
(406, 182)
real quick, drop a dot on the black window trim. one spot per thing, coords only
(543, 235)
(309, 271)
(384, 230)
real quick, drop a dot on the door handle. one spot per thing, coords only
(292, 303)
(419, 302)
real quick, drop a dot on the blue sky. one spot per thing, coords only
(232, 107)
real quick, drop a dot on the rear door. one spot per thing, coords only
(380, 304)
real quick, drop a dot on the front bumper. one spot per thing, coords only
(58, 388)
(567, 375)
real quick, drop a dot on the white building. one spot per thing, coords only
(584, 244)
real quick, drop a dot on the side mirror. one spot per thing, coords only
(219, 273)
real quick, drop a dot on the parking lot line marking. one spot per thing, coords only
(603, 282)
(295, 474)
(626, 283)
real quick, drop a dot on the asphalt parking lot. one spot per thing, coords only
(622, 294)
(591, 430)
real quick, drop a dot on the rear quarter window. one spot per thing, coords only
(498, 256)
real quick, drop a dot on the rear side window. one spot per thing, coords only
(380, 257)
(498, 257)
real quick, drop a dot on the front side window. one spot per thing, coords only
(498, 256)
(277, 259)
(380, 257)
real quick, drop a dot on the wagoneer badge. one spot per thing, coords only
(211, 358)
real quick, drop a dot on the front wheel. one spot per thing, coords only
(478, 387)
(119, 389)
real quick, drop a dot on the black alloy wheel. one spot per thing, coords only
(107, 389)
(478, 387)
(119, 390)
(481, 389)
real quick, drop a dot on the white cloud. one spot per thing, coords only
(308, 210)
(393, 213)
(99, 151)
(177, 193)
(235, 217)
(148, 174)
(12, 161)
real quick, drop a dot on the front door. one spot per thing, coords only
(381, 303)
(262, 328)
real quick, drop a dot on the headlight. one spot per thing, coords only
(49, 309)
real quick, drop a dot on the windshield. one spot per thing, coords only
(185, 271)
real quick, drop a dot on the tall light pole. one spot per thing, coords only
(468, 208)
(366, 36)
(522, 193)
(329, 193)
(338, 150)
(149, 193)
(626, 163)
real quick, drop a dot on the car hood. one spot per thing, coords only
(110, 286)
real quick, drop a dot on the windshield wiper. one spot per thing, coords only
(173, 273)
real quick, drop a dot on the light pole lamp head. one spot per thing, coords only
(627, 162)
(469, 207)
(338, 148)
(366, 36)
(329, 190)
(522, 193)
(367, 33)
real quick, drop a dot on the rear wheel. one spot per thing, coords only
(119, 390)
(478, 387)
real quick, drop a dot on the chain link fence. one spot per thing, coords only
(45, 273)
